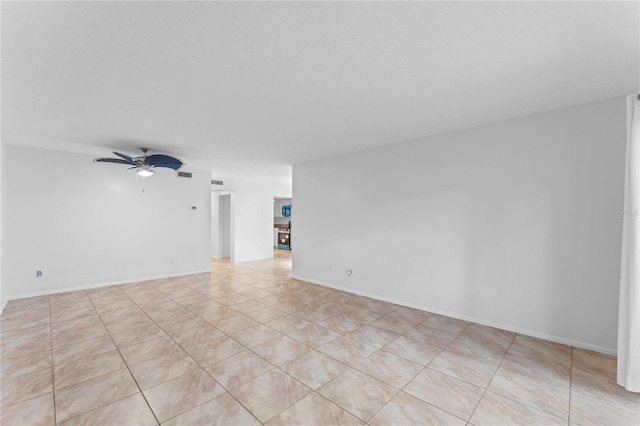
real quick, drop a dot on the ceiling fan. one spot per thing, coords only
(145, 163)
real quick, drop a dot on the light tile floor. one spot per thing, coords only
(248, 345)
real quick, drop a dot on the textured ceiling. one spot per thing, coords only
(248, 89)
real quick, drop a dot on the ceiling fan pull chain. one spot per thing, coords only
(138, 181)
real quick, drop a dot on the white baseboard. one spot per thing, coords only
(551, 338)
(100, 285)
(3, 304)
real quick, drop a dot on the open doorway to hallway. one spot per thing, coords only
(224, 212)
(282, 229)
(221, 225)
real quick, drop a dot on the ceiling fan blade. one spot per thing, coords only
(113, 160)
(126, 157)
(160, 160)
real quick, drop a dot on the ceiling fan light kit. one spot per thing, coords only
(145, 164)
(145, 172)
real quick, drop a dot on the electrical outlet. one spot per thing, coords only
(38, 274)
(349, 272)
(171, 261)
(330, 267)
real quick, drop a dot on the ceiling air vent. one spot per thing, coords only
(184, 174)
(217, 182)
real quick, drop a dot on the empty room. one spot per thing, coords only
(320, 213)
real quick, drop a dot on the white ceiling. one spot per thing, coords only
(248, 89)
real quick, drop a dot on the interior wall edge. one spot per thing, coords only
(101, 285)
(531, 333)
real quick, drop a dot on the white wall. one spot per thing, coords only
(503, 225)
(3, 205)
(84, 223)
(224, 212)
(251, 216)
(252, 220)
(221, 224)
(215, 226)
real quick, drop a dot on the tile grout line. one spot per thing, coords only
(51, 368)
(484, 391)
(181, 347)
(251, 350)
(50, 350)
(196, 361)
(349, 367)
(53, 376)
(423, 369)
(275, 366)
(129, 367)
(313, 391)
(409, 381)
(293, 287)
(125, 362)
(570, 386)
(527, 375)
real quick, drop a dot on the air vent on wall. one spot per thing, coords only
(217, 182)
(184, 174)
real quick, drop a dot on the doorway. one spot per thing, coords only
(282, 212)
(224, 223)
